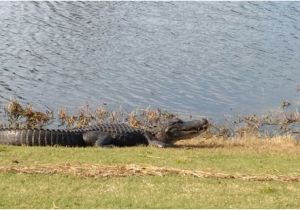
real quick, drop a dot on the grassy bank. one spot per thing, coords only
(200, 174)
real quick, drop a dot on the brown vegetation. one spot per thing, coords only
(252, 143)
(19, 116)
(254, 127)
(96, 171)
(25, 117)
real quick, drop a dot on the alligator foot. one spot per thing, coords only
(159, 144)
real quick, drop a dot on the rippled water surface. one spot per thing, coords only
(207, 58)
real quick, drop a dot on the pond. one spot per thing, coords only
(192, 58)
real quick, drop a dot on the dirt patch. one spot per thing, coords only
(96, 171)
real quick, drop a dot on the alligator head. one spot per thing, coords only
(177, 130)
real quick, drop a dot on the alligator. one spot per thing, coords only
(105, 135)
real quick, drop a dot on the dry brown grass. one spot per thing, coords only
(25, 116)
(20, 116)
(284, 143)
(96, 171)
(138, 118)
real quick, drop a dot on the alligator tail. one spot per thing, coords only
(40, 137)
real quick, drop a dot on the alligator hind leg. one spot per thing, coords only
(104, 141)
(97, 138)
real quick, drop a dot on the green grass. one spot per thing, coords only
(172, 191)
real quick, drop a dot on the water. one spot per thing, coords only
(199, 58)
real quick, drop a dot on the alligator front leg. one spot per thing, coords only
(153, 142)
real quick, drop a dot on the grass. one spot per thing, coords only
(147, 185)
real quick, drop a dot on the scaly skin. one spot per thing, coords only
(104, 135)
